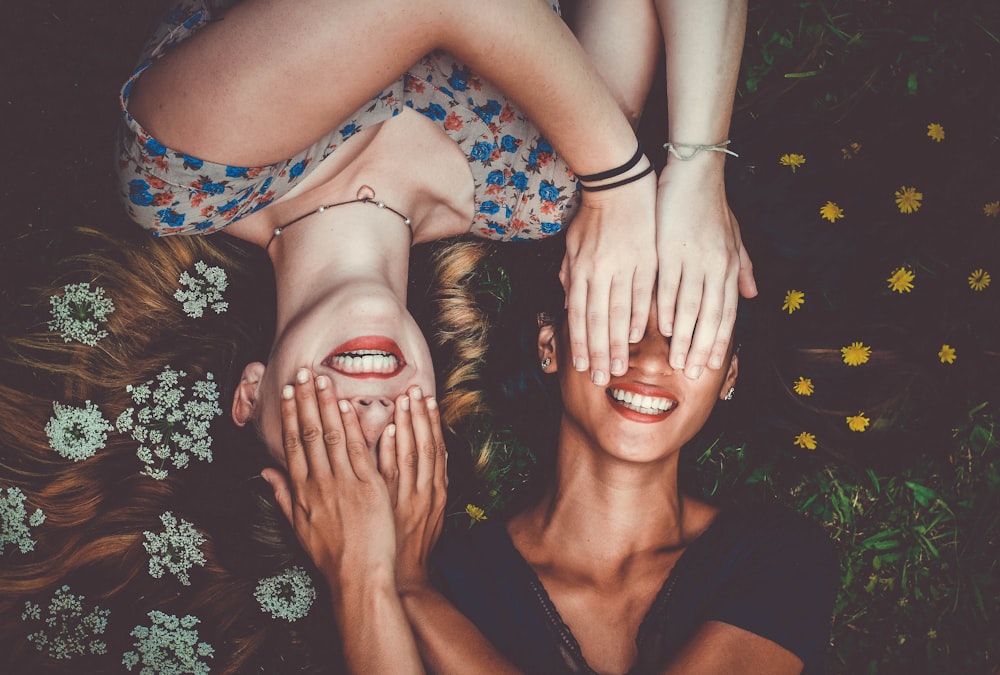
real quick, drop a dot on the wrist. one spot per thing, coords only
(367, 592)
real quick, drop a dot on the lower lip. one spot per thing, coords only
(372, 342)
(636, 416)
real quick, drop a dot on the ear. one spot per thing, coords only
(731, 375)
(547, 348)
(245, 395)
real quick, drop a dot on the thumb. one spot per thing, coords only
(745, 280)
(282, 493)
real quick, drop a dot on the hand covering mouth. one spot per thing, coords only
(368, 356)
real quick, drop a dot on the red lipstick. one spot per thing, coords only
(366, 343)
(640, 389)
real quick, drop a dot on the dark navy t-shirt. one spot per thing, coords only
(765, 569)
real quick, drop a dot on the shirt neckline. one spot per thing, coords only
(562, 630)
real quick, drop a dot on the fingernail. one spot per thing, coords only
(266, 479)
(302, 376)
(599, 377)
(416, 393)
(432, 403)
(617, 367)
(287, 392)
(695, 372)
(634, 335)
(343, 405)
(390, 430)
(580, 364)
(404, 403)
(677, 361)
(715, 362)
(667, 331)
(322, 382)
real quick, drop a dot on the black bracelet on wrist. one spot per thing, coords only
(611, 173)
(625, 181)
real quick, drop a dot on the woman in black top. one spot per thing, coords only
(613, 569)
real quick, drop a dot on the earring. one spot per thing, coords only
(546, 362)
(729, 394)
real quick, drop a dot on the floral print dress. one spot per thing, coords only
(522, 189)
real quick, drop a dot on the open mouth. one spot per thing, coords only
(642, 406)
(369, 356)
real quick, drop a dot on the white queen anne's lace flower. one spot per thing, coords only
(70, 630)
(175, 549)
(288, 595)
(15, 521)
(171, 427)
(79, 312)
(202, 291)
(77, 433)
(168, 647)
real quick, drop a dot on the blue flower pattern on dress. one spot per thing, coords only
(522, 189)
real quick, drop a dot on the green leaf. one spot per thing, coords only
(924, 495)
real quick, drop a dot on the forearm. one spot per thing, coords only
(374, 631)
(622, 38)
(448, 641)
(540, 64)
(704, 43)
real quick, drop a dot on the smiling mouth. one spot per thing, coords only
(653, 406)
(369, 356)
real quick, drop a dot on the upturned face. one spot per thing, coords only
(645, 415)
(366, 341)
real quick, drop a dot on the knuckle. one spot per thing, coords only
(356, 448)
(311, 433)
(411, 459)
(291, 441)
(333, 437)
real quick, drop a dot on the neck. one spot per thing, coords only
(628, 507)
(327, 250)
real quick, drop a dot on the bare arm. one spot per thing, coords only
(316, 61)
(721, 648)
(340, 508)
(414, 460)
(702, 263)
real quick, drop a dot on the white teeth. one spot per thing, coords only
(648, 405)
(366, 361)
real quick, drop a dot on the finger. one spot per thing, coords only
(440, 480)
(725, 333)
(387, 466)
(282, 491)
(334, 437)
(747, 283)
(355, 449)
(406, 450)
(706, 327)
(598, 307)
(688, 306)
(668, 285)
(291, 439)
(310, 423)
(642, 300)
(576, 320)
(619, 323)
(424, 439)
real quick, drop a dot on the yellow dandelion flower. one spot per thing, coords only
(805, 440)
(901, 280)
(979, 279)
(858, 422)
(947, 354)
(935, 131)
(991, 209)
(793, 300)
(792, 160)
(803, 386)
(908, 199)
(856, 353)
(831, 212)
(475, 512)
(851, 150)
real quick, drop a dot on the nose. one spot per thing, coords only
(374, 413)
(651, 355)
